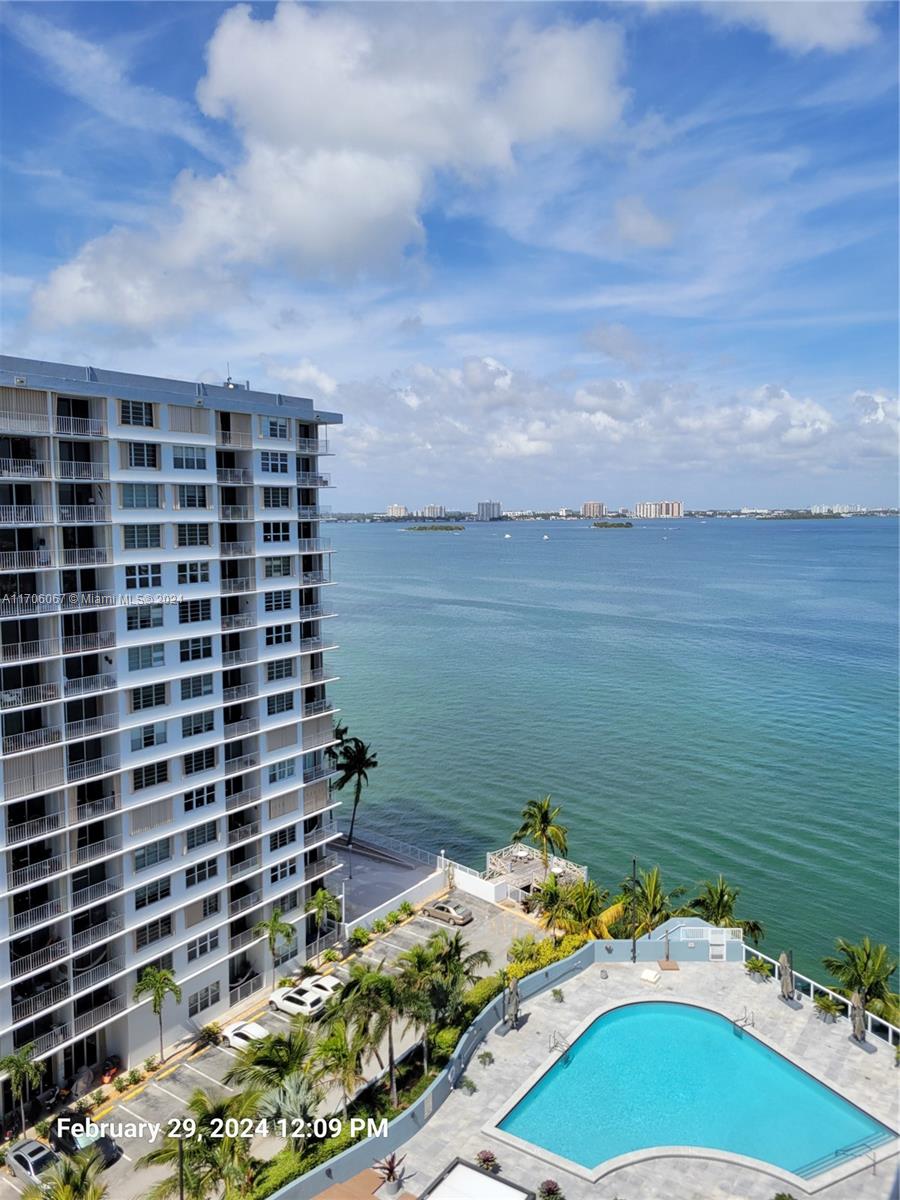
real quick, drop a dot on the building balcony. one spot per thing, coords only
(236, 512)
(24, 468)
(90, 810)
(240, 728)
(27, 560)
(244, 902)
(320, 866)
(88, 979)
(318, 675)
(86, 769)
(26, 607)
(243, 763)
(26, 514)
(315, 708)
(96, 891)
(242, 799)
(87, 599)
(314, 546)
(40, 913)
(45, 1042)
(241, 584)
(237, 441)
(246, 867)
(84, 642)
(312, 479)
(41, 648)
(241, 691)
(312, 645)
(26, 831)
(91, 726)
(237, 549)
(94, 850)
(237, 941)
(234, 475)
(84, 514)
(312, 446)
(234, 658)
(322, 770)
(31, 739)
(98, 933)
(243, 832)
(312, 512)
(97, 1016)
(46, 998)
(28, 964)
(37, 693)
(86, 556)
(14, 422)
(35, 872)
(237, 995)
(82, 470)
(81, 426)
(85, 684)
(238, 620)
(315, 578)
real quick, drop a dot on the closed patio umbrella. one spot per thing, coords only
(858, 1017)
(787, 977)
(512, 1012)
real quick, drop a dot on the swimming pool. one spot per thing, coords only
(670, 1074)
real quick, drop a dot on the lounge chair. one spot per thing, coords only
(650, 976)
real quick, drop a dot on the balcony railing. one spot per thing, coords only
(24, 468)
(316, 707)
(234, 475)
(91, 726)
(26, 514)
(30, 963)
(314, 578)
(96, 766)
(237, 549)
(96, 891)
(243, 832)
(39, 781)
(81, 426)
(241, 584)
(91, 809)
(97, 933)
(312, 479)
(32, 739)
(82, 470)
(88, 599)
(37, 828)
(95, 975)
(238, 620)
(232, 658)
(37, 693)
(241, 441)
(42, 648)
(27, 560)
(242, 799)
(40, 1001)
(238, 994)
(236, 512)
(80, 514)
(39, 914)
(241, 728)
(313, 612)
(314, 545)
(245, 902)
(35, 872)
(233, 765)
(80, 642)
(84, 854)
(312, 446)
(319, 675)
(246, 867)
(320, 866)
(45, 1043)
(90, 683)
(26, 607)
(15, 422)
(240, 691)
(90, 1020)
(86, 556)
(312, 512)
(237, 941)
(312, 644)
(312, 774)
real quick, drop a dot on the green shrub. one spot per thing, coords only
(42, 1128)
(406, 909)
(827, 1006)
(468, 1085)
(98, 1097)
(359, 937)
(210, 1034)
(485, 1058)
(331, 955)
(120, 1083)
(758, 966)
(2, 1158)
(481, 994)
(557, 995)
(393, 918)
(544, 954)
(84, 1105)
(150, 1063)
(443, 1042)
(379, 925)
(279, 1171)
(134, 1076)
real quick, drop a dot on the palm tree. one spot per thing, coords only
(265, 1063)
(377, 996)
(652, 904)
(274, 929)
(339, 1059)
(75, 1178)
(522, 948)
(716, 904)
(359, 1002)
(157, 983)
(455, 967)
(549, 900)
(356, 761)
(424, 992)
(866, 968)
(295, 1099)
(23, 1073)
(333, 753)
(585, 910)
(325, 907)
(541, 826)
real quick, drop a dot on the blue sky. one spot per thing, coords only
(541, 252)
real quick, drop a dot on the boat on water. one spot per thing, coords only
(507, 535)
(546, 537)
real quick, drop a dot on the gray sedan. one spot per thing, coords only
(29, 1160)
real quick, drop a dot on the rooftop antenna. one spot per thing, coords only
(228, 381)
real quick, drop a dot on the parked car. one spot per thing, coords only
(321, 985)
(444, 910)
(243, 1034)
(297, 1001)
(29, 1160)
(62, 1138)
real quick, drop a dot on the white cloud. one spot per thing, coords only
(636, 223)
(305, 373)
(618, 342)
(802, 25)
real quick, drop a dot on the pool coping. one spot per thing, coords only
(818, 1183)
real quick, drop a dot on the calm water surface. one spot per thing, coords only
(712, 697)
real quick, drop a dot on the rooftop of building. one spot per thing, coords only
(94, 381)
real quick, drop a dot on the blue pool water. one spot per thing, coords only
(658, 1074)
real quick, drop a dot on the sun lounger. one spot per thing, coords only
(650, 976)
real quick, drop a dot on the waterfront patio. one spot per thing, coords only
(522, 867)
(865, 1075)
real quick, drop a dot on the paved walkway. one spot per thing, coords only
(867, 1076)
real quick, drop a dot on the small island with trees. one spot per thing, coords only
(611, 525)
(434, 529)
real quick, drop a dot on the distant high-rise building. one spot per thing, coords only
(397, 510)
(434, 510)
(593, 509)
(489, 510)
(654, 509)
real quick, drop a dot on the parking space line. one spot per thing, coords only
(227, 1050)
(180, 1099)
(279, 1016)
(211, 1078)
(131, 1112)
(127, 1157)
(14, 1183)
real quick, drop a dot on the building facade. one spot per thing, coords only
(163, 696)
(489, 510)
(593, 509)
(396, 510)
(655, 509)
(433, 511)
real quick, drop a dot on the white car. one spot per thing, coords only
(243, 1034)
(297, 1002)
(321, 985)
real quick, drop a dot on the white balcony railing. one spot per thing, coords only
(39, 827)
(39, 914)
(241, 728)
(95, 975)
(97, 933)
(16, 422)
(87, 853)
(91, 726)
(243, 832)
(38, 1002)
(242, 799)
(31, 739)
(38, 693)
(41, 648)
(243, 763)
(237, 549)
(240, 441)
(312, 479)
(96, 766)
(30, 963)
(80, 642)
(86, 556)
(234, 475)
(243, 903)
(90, 1020)
(81, 426)
(312, 446)
(90, 683)
(27, 560)
(238, 620)
(241, 584)
(233, 658)
(34, 872)
(80, 514)
(96, 891)
(316, 707)
(26, 514)
(82, 470)
(236, 512)
(240, 691)
(246, 867)
(25, 468)
(46, 1042)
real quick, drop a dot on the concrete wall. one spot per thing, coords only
(417, 894)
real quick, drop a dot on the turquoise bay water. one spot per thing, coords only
(672, 1075)
(712, 697)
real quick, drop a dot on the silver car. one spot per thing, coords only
(29, 1160)
(444, 910)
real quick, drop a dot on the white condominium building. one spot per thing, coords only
(397, 510)
(165, 722)
(489, 510)
(593, 509)
(654, 509)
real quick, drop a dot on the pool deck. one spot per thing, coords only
(865, 1075)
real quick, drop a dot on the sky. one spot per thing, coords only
(541, 253)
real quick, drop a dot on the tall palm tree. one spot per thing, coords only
(265, 1063)
(866, 967)
(274, 929)
(540, 825)
(549, 901)
(585, 910)
(75, 1178)
(339, 1059)
(455, 967)
(652, 903)
(325, 907)
(23, 1073)
(378, 995)
(356, 761)
(716, 904)
(333, 753)
(295, 1099)
(157, 983)
(359, 1002)
(424, 991)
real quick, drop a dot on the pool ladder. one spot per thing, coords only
(745, 1019)
(558, 1042)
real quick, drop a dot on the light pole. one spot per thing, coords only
(634, 910)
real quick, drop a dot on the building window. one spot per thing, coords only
(148, 735)
(142, 658)
(155, 852)
(192, 535)
(210, 905)
(278, 635)
(276, 531)
(203, 999)
(278, 601)
(277, 568)
(189, 458)
(149, 697)
(282, 770)
(283, 702)
(192, 649)
(136, 412)
(144, 455)
(147, 616)
(192, 495)
(200, 797)
(190, 611)
(276, 427)
(150, 776)
(163, 963)
(203, 945)
(196, 685)
(154, 932)
(201, 872)
(152, 893)
(140, 495)
(283, 837)
(142, 537)
(200, 835)
(283, 870)
(279, 668)
(143, 575)
(275, 462)
(276, 497)
(200, 760)
(197, 723)
(193, 572)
